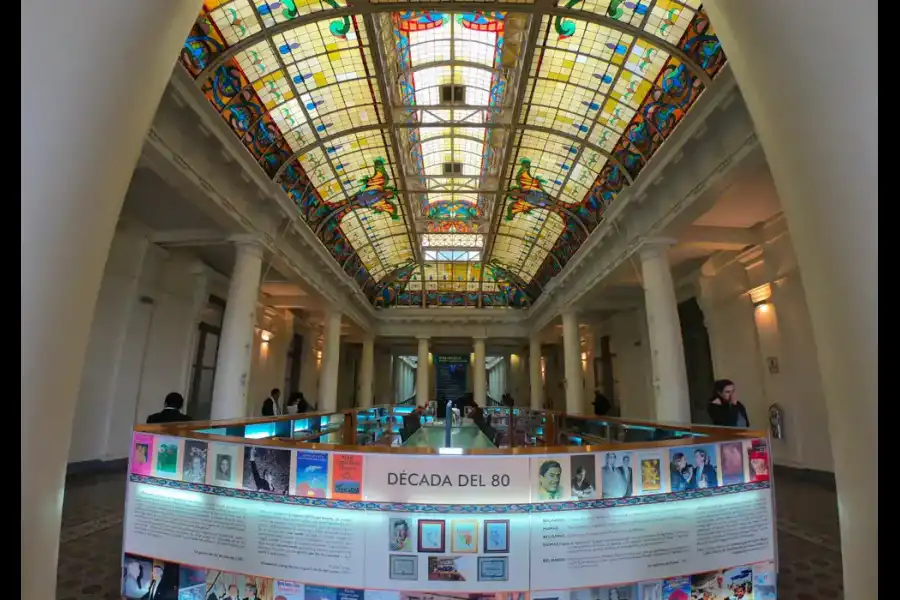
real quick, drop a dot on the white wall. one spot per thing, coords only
(268, 360)
(742, 338)
(632, 367)
(143, 342)
(140, 345)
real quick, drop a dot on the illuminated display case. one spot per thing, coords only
(544, 506)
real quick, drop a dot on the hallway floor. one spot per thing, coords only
(91, 541)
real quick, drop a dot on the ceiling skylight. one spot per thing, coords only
(452, 158)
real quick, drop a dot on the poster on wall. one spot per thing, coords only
(459, 552)
(447, 480)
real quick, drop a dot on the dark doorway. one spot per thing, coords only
(603, 370)
(203, 372)
(292, 372)
(697, 358)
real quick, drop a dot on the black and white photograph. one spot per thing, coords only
(267, 470)
(195, 457)
(584, 476)
(617, 475)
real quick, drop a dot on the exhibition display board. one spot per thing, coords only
(687, 519)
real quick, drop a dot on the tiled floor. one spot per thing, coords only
(90, 553)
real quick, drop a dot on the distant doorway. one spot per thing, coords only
(697, 358)
(203, 372)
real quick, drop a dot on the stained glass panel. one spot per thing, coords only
(305, 101)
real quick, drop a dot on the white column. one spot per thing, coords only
(479, 373)
(670, 384)
(422, 370)
(822, 154)
(74, 178)
(534, 373)
(367, 372)
(331, 362)
(572, 363)
(236, 345)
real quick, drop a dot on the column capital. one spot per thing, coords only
(479, 338)
(423, 336)
(651, 247)
(247, 243)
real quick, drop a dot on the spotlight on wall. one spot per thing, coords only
(762, 307)
(265, 335)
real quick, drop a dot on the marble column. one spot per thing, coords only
(479, 374)
(534, 373)
(74, 177)
(331, 362)
(367, 372)
(422, 369)
(236, 345)
(670, 384)
(572, 363)
(819, 132)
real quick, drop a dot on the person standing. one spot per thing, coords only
(270, 407)
(602, 405)
(725, 409)
(171, 413)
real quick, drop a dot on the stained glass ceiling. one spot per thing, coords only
(452, 157)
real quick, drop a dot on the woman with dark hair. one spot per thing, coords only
(725, 409)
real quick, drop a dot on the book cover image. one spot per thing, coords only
(289, 590)
(676, 588)
(346, 476)
(312, 474)
(758, 459)
(167, 458)
(142, 453)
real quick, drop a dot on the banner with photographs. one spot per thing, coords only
(350, 522)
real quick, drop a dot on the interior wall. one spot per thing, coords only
(268, 360)
(554, 390)
(348, 373)
(142, 336)
(632, 368)
(770, 353)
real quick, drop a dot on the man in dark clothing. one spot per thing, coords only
(172, 411)
(411, 423)
(270, 406)
(602, 405)
(725, 409)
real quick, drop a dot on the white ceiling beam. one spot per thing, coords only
(720, 238)
(189, 237)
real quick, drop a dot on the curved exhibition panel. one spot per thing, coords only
(375, 504)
